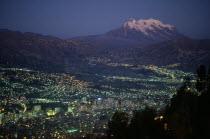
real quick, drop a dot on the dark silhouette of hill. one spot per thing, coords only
(188, 52)
(48, 53)
(41, 52)
(185, 117)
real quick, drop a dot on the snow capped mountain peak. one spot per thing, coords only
(146, 26)
(135, 33)
(132, 20)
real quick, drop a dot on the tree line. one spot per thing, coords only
(187, 116)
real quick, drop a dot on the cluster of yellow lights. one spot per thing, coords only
(158, 118)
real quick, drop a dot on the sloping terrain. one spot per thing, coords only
(46, 53)
(134, 33)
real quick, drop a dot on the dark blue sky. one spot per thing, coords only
(69, 18)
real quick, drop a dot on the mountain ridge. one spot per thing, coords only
(132, 33)
(51, 54)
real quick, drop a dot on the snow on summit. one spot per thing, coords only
(146, 25)
(134, 33)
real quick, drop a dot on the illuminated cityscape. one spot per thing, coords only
(105, 69)
(35, 101)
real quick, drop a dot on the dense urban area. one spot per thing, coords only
(36, 104)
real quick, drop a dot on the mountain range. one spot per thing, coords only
(143, 42)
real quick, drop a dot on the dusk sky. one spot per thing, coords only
(70, 18)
